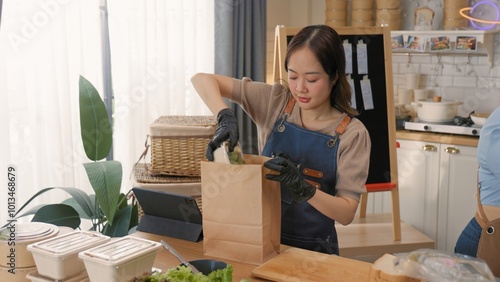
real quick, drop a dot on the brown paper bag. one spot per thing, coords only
(241, 211)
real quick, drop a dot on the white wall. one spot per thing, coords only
(292, 13)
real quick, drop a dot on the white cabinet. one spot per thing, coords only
(418, 174)
(457, 186)
(437, 183)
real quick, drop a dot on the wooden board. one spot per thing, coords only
(296, 264)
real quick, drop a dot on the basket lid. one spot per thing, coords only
(121, 249)
(186, 120)
(72, 242)
(188, 126)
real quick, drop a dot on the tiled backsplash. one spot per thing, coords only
(466, 78)
(470, 79)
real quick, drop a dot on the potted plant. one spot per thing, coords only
(108, 209)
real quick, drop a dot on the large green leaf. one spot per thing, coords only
(121, 223)
(95, 125)
(74, 204)
(105, 178)
(31, 211)
(58, 214)
(81, 198)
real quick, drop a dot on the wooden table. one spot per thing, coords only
(280, 268)
(192, 251)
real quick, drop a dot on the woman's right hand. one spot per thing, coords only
(227, 129)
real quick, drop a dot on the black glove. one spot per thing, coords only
(227, 128)
(289, 176)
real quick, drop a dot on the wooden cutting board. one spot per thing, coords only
(296, 264)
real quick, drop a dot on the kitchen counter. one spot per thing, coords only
(333, 268)
(437, 137)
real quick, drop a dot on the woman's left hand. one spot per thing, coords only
(289, 176)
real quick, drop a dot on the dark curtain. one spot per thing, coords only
(240, 51)
(106, 64)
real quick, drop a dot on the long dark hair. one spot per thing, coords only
(326, 45)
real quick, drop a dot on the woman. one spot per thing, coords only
(488, 156)
(320, 152)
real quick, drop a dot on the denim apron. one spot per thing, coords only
(315, 154)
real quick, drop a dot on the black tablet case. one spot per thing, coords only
(169, 214)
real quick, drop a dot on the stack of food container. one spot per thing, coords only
(362, 13)
(120, 260)
(336, 13)
(57, 258)
(15, 259)
(451, 14)
(388, 13)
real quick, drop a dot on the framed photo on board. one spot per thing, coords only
(439, 43)
(415, 43)
(466, 43)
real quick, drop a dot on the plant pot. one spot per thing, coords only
(444, 111)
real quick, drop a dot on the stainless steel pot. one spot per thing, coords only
(444, 111)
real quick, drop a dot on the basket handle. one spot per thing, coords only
(143, 155)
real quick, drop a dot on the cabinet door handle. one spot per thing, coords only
(430, 148)
(451, 150)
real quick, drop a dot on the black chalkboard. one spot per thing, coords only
(377, 120)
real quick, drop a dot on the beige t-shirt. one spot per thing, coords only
(264, 103)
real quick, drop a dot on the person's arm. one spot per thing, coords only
(340, 209)
(492, 159)
(352, 171)
(212, 88)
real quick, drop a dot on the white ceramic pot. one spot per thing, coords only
(444, 111)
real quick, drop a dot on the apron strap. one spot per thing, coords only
(289, 106)
(480, 215)
(343, 124)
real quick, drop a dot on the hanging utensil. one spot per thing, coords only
(179, 257)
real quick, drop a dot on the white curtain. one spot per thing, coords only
(44, 47)
(156, 46)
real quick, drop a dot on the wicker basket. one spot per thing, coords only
(178, 144)
(142, 174)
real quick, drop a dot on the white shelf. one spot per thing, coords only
(485, 42)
